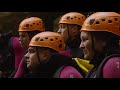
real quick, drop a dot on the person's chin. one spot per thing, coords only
(28, 66)
(22, 45)
(86, 57)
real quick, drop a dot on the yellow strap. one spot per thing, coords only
(85, 63)
(81, 66)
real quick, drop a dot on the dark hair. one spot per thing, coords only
(4, 38)
(33, 33)
(79, 27)
(90, 13)
(107, 36)
(46, 48)
(112, 40)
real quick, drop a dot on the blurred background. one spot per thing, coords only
(9, 21)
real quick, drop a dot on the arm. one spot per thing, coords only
(21, 69)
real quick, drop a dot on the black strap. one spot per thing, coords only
(57, 73)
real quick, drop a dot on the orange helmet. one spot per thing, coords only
(73, 18)
(103, 21)
(31, 24)
(48, 39)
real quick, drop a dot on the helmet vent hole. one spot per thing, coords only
(37, 23)
(46, 38)
(41, 39)
(68, 17)
(74, 17)
(78, 18)
(103, 19)
(109, 21)
(33, 23)
(56, 38)
(97, 22)
(60, 40)
(91, 21)
(71, 18)
(37, 38)
(51, 39)
(116, 19)
(27, 25)
(30, 25)
(60, 45)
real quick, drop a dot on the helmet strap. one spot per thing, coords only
(38, 55)
(71, 43)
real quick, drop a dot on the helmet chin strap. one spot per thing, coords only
(38, 55)
(71, 43)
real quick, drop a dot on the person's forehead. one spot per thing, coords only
(31, 48)
(23, 33)
(84, 33)
(63, 24)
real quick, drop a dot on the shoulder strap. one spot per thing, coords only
(83, 64)
(99, 73)
(80, 65)
(88, 75)
(57, 73)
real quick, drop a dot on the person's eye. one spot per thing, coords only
(31, 51)
(84, 39)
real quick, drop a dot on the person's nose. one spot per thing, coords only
(81, 45)
(19, 39)
(59, 31)
(27, 56)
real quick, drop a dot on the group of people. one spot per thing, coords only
(83, 47)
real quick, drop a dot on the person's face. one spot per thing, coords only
(68, 31)
(33, 62)
(24, 39)
(86, 45)
(32, 58)
(63, 31)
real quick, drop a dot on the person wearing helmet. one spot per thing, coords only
(100, 42)
(27, 29)
(69, 26)
(43, 60)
